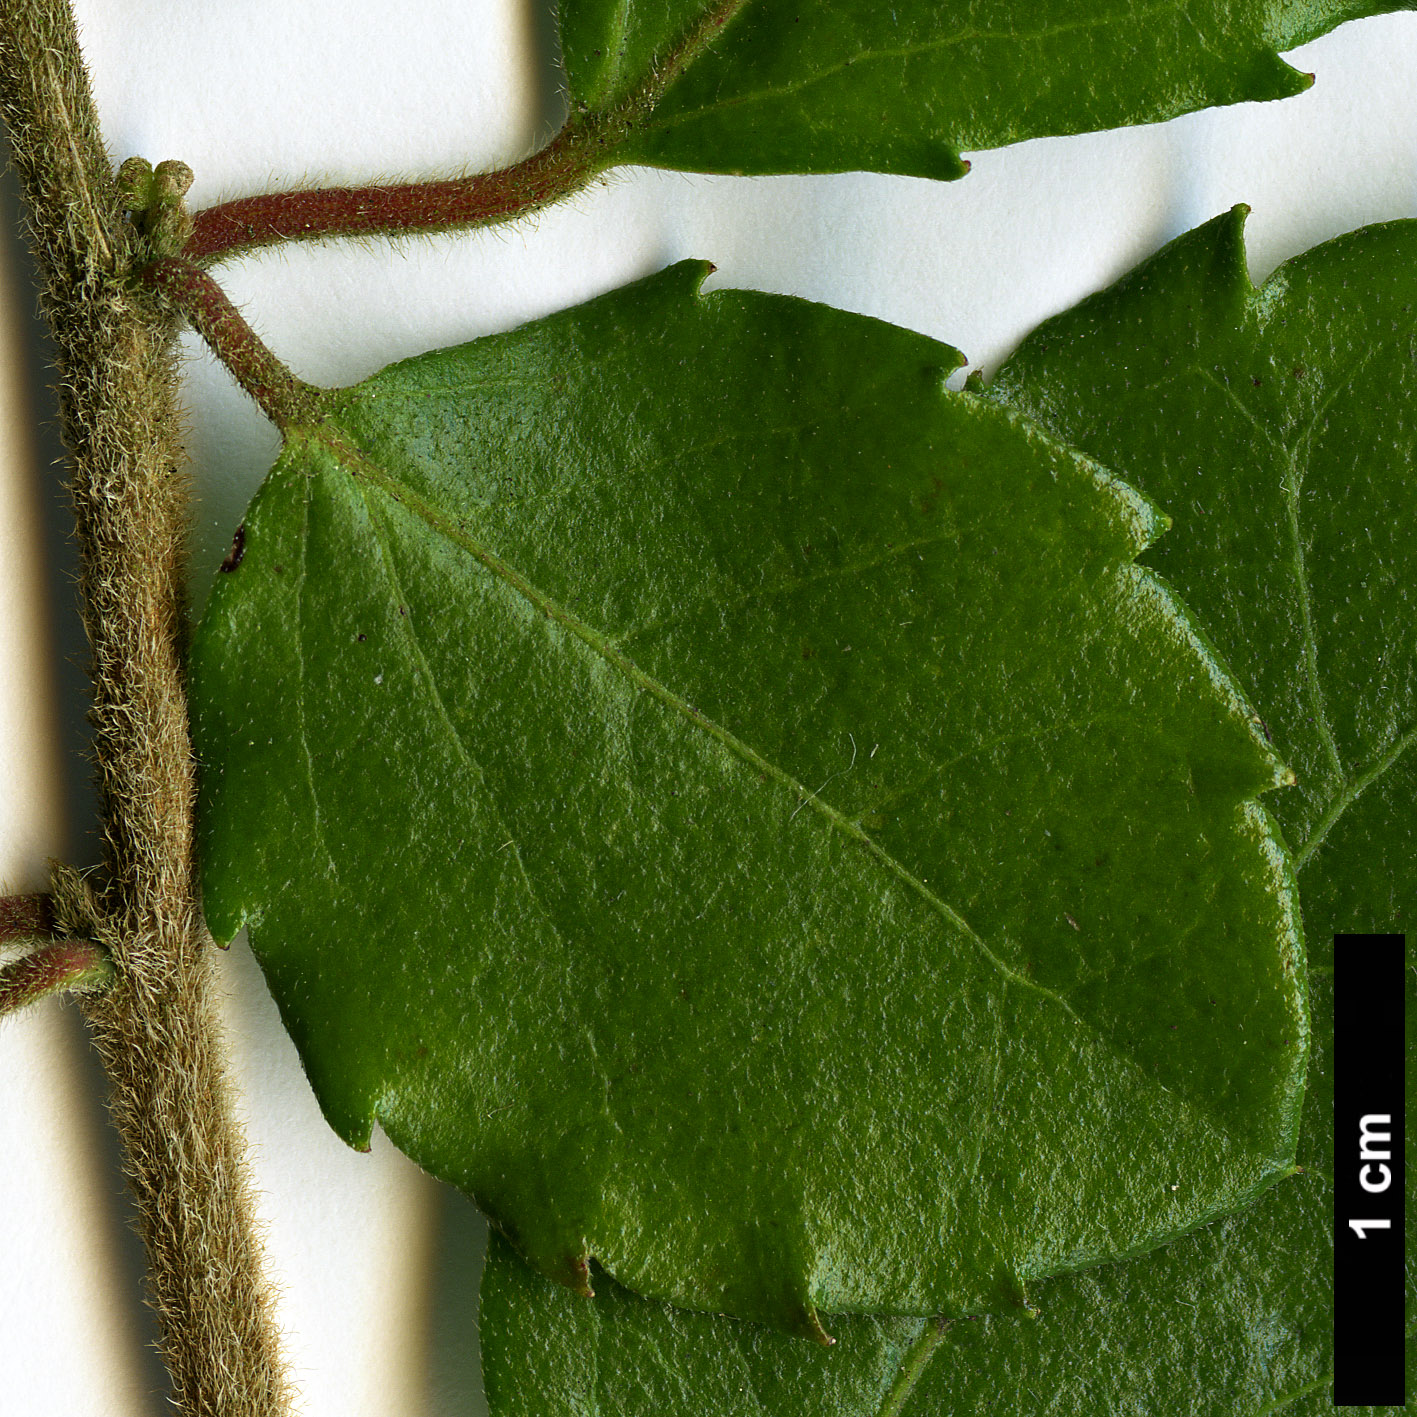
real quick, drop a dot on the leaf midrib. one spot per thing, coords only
(908, 51)
(363, 469)
(359, 465)
(347, 454)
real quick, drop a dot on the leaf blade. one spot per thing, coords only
(1237, 1317)
(1324, 631)
(757, 86)
(556, 647)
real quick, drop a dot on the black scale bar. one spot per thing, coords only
(1368, 1181)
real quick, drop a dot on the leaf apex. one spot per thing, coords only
(1226, 234)
(351, 1118)
(225, 926)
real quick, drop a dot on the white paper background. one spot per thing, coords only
(377, 1265)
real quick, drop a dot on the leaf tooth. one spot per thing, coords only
(579, 1270)
(813, 1327)
(1273, 78)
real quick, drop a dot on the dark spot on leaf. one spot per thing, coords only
(278, 569)
(238, 549)
(361, 637)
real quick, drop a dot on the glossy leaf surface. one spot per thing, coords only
(547, 1353)
(1275, 426)
(1235, 1319)
(1278, 426)
(738, 810)
(773, 86)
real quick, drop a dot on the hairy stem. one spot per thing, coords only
(155, 1027)
(61, 966)
(579, 152)
(584, 148)
(191, 292)
(25, 916)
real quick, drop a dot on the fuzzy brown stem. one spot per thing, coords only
(25, 916)
(59, 967)
(578, 153)
(584, 148)
(155, 1028)
(191, 292)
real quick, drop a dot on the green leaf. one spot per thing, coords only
(768, 86)
(1236, 1319)
(1272, 424)
(737, 810)
(547, 1353)
(1278, 426)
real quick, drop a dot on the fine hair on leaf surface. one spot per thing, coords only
(1201, 389)
(746, 845)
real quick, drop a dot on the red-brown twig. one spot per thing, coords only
(61, 966)
(205, 305)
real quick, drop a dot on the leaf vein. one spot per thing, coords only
(905, 51)
(913, 1363)
(359, 466)
(474, 769)
(771, 592)
(1234, 399)
(1025, 735)
(1283, 1401)
(1350, 793)
(302, 728)
(1293, 481)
